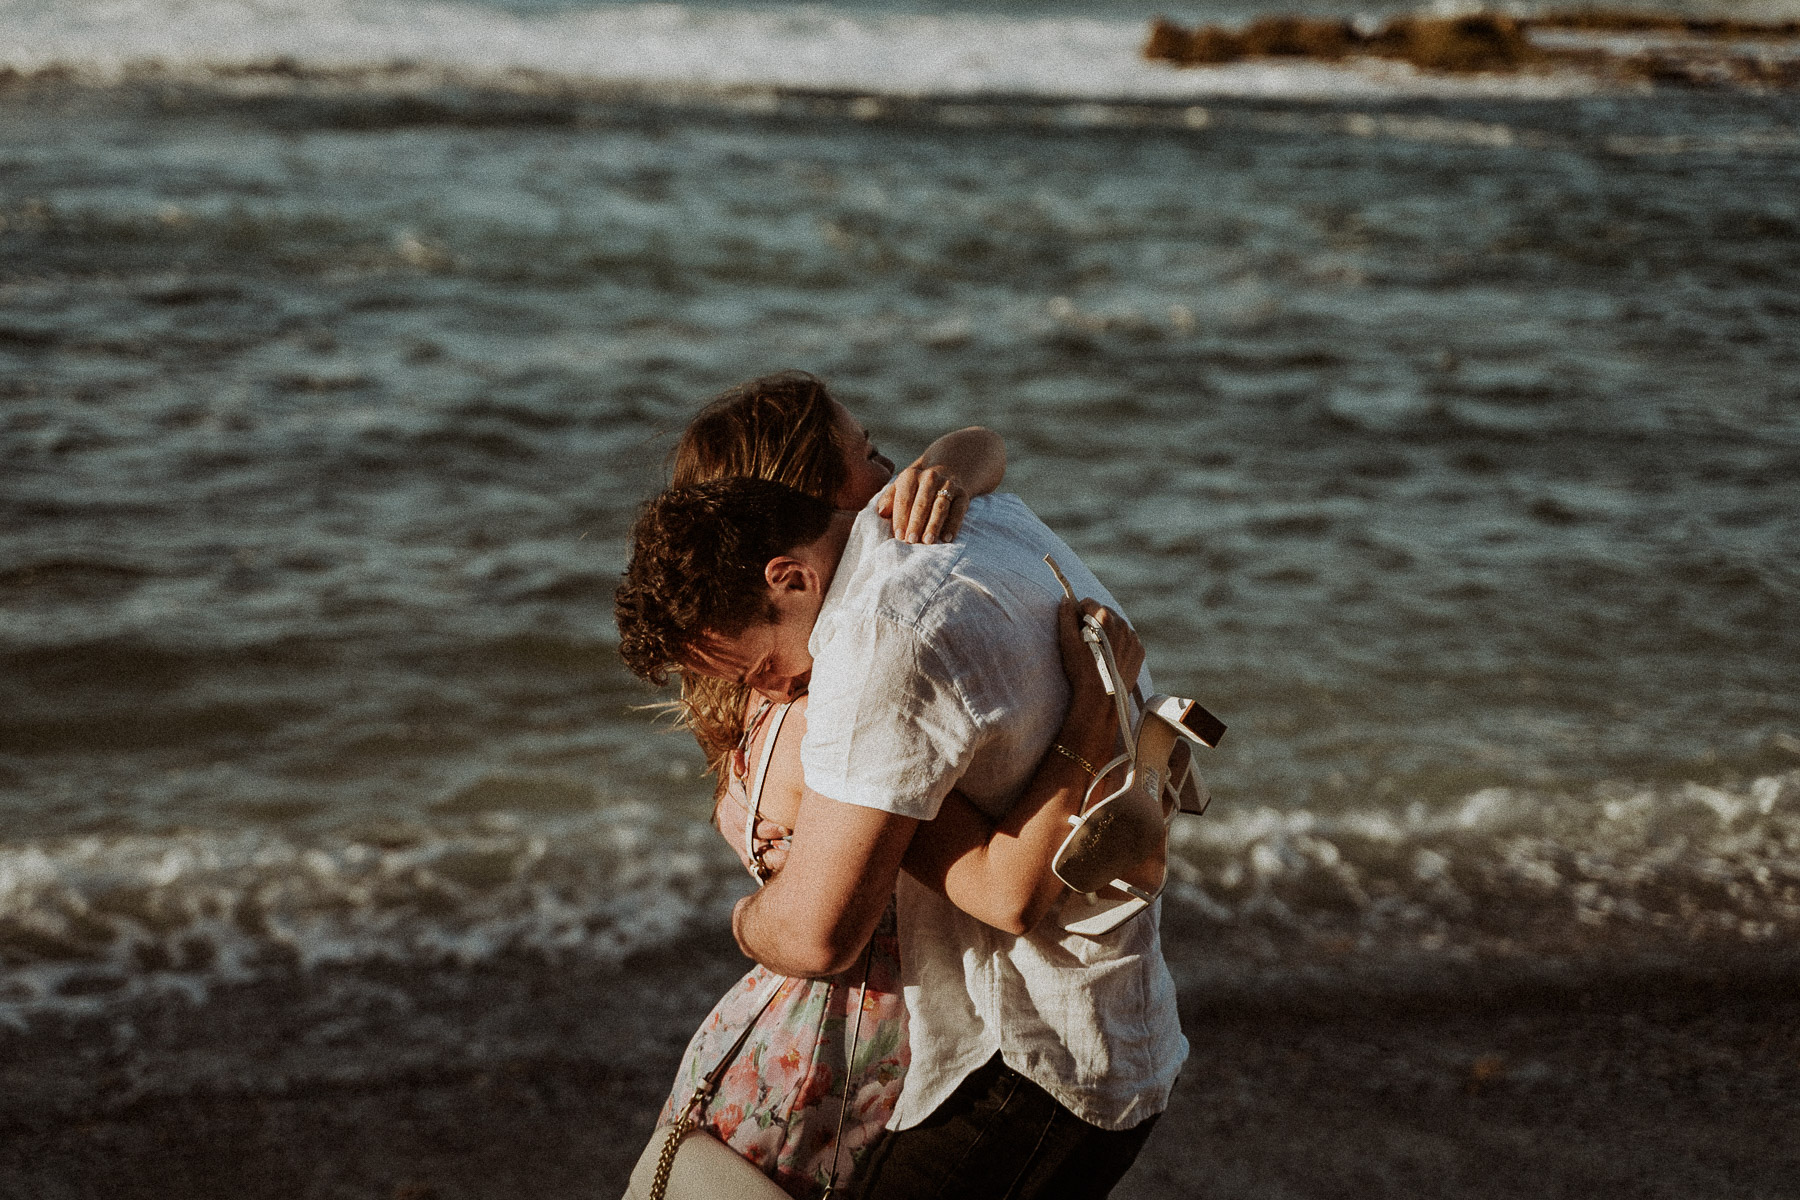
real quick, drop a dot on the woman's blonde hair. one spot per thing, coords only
(781, 427)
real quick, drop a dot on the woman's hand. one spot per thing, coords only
(925, 504)
(927, 500)
(1000, 874)
(1091, 728)
(1079, 667)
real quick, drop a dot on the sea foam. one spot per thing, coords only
(1592, 881)
(90, 920)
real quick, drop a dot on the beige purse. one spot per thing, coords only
(683, 1162)
(680, 1163)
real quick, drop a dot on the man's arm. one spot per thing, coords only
(815, 917)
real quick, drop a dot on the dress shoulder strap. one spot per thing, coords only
(753, 802)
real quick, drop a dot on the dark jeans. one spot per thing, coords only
(999, 1137)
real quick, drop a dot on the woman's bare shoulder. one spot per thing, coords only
(786, 779)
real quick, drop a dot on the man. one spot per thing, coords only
(1039, 1062)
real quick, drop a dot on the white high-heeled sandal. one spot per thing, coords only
(1116, 855)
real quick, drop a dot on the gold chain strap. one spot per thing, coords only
(665, 1162)
(696, 1105)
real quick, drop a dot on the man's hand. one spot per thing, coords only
(770, 852)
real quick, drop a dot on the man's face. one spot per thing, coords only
(770, 657)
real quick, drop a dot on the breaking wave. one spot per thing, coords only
(1597, 882)
(1615, 879)
(94, 919)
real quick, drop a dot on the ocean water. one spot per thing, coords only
(1442, 435)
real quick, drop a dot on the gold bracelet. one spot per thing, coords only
(1080, 761)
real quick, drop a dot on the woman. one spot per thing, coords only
(781, 1104)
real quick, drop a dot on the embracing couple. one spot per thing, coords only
(895, 694)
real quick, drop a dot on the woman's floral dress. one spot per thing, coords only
(778, 1103)
(780, 1100)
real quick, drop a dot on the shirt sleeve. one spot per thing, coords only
(887, 726)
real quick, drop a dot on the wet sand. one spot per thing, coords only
(534, 1082)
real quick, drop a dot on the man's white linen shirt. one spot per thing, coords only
(937, 667)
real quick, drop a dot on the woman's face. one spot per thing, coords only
(866, 469)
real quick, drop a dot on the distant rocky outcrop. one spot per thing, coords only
(1673, 48)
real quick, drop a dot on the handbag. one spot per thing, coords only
(685, 1162)
(700, 1165)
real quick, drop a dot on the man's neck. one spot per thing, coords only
(823, 554)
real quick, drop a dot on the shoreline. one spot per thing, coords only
(544, 1083)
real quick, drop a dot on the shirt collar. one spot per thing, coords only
(869, 531)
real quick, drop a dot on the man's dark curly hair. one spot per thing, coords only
(697, 560)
